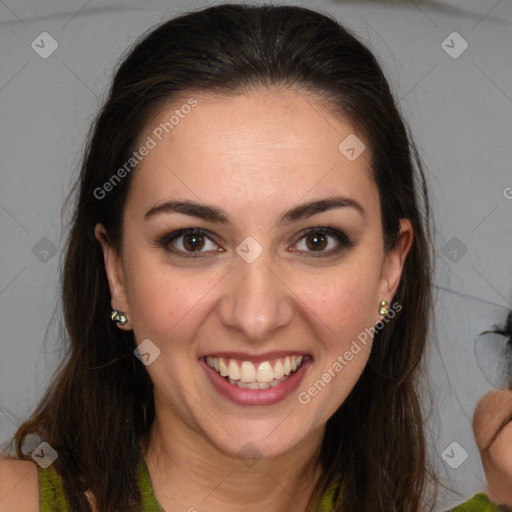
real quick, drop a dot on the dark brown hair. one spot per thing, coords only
(100, 401)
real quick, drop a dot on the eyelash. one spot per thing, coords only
(343, 240)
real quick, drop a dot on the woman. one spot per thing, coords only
(249, 220)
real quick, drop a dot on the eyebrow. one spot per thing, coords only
(215, 214)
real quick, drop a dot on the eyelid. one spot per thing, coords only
(169, 237)
(344, 241)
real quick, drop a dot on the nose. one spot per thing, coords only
(257, 299)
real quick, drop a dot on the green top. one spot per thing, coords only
(52, 498)
(478, 503)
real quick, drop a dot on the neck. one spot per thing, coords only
(189, 473)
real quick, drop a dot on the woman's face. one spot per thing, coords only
(252, 290)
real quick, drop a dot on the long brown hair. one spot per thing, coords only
(100, 401)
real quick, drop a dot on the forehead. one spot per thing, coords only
(263, 146)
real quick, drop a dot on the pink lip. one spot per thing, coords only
(267, 396)
(256, 358)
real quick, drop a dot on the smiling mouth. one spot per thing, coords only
(263, 375)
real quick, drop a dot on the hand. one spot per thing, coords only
(492, 426)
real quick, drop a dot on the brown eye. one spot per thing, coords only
(188, 242)
(316, 240)
(193, 242)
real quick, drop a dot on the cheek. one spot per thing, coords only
(342, 313)
(160, 296)
(345, 299)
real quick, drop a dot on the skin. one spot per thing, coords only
(492, 409)
(255, 155)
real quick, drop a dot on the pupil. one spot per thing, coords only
(196, 242)
(318, 241)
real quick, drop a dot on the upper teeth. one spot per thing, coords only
(248, 372)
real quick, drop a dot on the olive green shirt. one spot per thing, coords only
(53, 499)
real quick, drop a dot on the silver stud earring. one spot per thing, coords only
(118, 317)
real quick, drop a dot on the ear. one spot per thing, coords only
(115, 276)
(394, 262)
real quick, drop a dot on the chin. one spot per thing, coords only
(251, 443)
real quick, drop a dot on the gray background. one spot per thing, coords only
(460, 113)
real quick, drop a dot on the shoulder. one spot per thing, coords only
(478, 503)
(19, 485)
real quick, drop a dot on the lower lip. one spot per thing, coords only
(269, 396)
